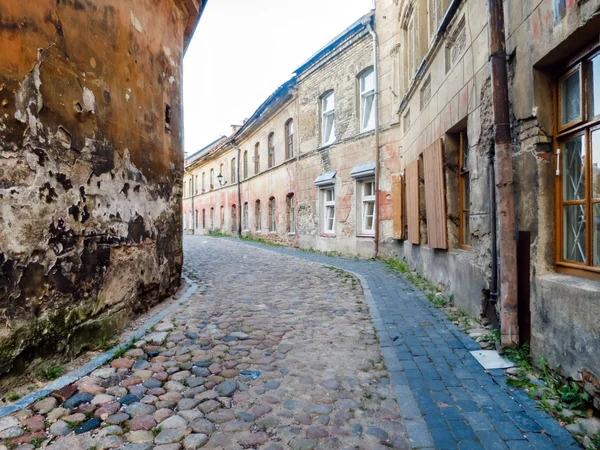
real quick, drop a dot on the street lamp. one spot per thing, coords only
(220, 180)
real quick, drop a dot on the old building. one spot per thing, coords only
(480, 168)
(301, 169)
(91, 166)
(454, 129)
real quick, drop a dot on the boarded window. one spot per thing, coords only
(412, 202)
(397, 191)
(435, 198)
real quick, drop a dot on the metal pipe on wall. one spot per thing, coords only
(504, 211)
(376, 106)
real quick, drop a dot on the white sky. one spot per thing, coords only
(244, 49)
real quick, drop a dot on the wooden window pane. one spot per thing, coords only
(574, 233)
(596, 164)
(573, 169)
(466, 228)
(397, 206)
(412, 202)
(570, 89)
(594, 86)
(596, 235)
(466, 184)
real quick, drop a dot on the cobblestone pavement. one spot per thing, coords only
(272, 353)
(447, 400)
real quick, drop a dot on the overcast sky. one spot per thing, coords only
(244, 49)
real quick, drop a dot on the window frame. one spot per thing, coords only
(585, 126)
(245, 164)
(212, 218)
(211, 180)
(290, 202)
(233, 175)
(204, 218)
(363, 95)
(203, 181)
(257, 216)
(462, 174)
(272, 222)
(256, 158)
(245, 217)
(325, 204)
(271, 150)
(326, 114)
(289, 139)
(361, 210)
(233, 224)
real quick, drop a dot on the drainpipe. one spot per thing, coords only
(504, 212)
(239, 188)
(376, 105)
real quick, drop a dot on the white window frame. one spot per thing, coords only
(328, 116)
(364, 201)
(326, 207)
(367, 121)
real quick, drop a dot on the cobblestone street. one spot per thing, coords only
(275, 352)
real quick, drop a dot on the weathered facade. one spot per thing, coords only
(91, 165)
(319, 124)
(437, 92)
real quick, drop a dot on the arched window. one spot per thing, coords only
(204, 219)
(211, 181)
(196, 185)
(289, 139)
(272, 215)
(328, 118)
(212, 219)
(245, 164)
(245, 224)
(196, 218)
(222, 218)
(257, 158)
(257, 215)
(233, 171)
(203, 181)
(222, 170)
(291, 214)
(271, 147)
(367, 100)
(233, 218)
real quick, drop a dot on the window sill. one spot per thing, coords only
(291, 234)
(327, 235)
(324, 146)
(371, 236)
(591, 273)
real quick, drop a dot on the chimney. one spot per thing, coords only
(235, 128)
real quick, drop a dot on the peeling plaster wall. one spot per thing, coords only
(90, 196)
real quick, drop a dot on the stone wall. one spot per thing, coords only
(90, 169)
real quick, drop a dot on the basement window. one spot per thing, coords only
(168, 118)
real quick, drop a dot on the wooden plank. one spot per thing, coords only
(397, 203)
(435, 197)
(412, 202)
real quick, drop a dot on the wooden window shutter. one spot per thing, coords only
(435, 196)
(412, 202)
(397, 191)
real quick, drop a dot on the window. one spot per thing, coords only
(184, 221)
(191, 222)
(328, 118)
(212, 179)
(328, 210)
(184, 188)
(271, 147)
(212, 218)
(367, 206)
(204, 219)
(233, 218)
(233, 171)
(196, 184)
(221, 171)
(272, 216)
(411, 47)
(291, 214)
(437, 9)
(245, 164)
(406, 121)
(578, 166)
(203, 181)
(245, 224)
(256, 158)
(222, 217)
(367, 99)
(257, 215)
(196, 218)
(464, 192)
(289, 139)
